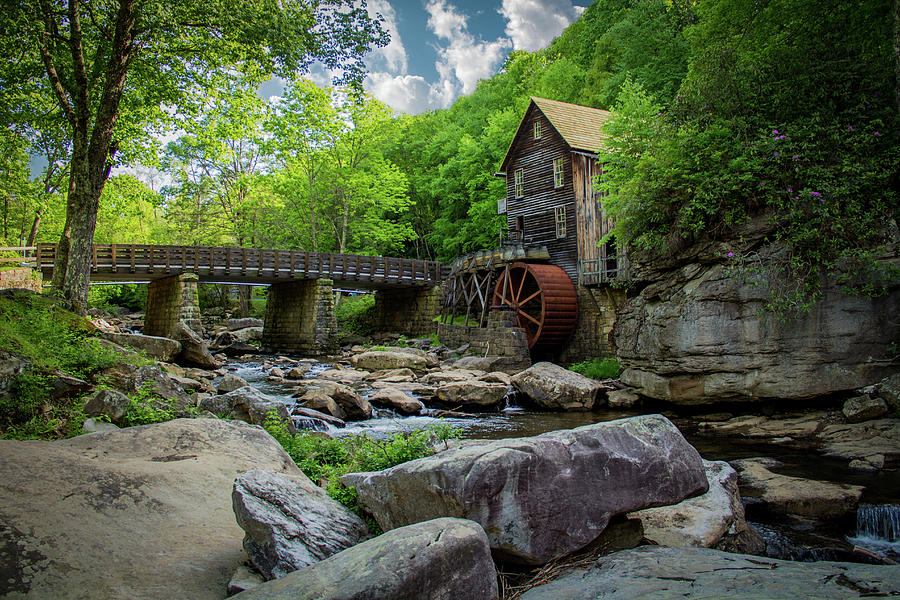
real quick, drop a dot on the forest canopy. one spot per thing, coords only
(725, 109)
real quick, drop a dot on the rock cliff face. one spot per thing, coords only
(698, 333)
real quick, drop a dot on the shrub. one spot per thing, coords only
(146, 408)
(324, 460)
(598, 368)
(355, 314)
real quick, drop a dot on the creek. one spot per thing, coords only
(877, 526)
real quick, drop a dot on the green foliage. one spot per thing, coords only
(598, 368)
(28, 413)
(356, 314)
(324, 459)
(108, 297)
(146, 408)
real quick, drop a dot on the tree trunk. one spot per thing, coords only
(244, 298)
(34, 227)
(897, 54)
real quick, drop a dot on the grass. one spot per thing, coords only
(55, 342)
(598, 368)
(324, 460)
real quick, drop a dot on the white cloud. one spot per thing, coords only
(463, 57)
(532, 24)
(392, 57)
(410, 94)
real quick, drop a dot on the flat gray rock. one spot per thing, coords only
(542, 497)
(141, 513)
(443, 559)
(659, 572)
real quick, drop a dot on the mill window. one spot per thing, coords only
(520, 183)
(558, 173)
(537, 130)
(560, 221)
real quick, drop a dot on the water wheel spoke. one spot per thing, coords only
(529, 317)
(521, 285)
(531, 297)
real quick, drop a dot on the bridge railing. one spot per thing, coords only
(236, 263)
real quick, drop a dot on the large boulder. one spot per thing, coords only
(664, 572)
(136, 514)
(244, 323)
(194, 351)
(231, 382)
(783, 494)
(864, 408)
(252, 406)
(322, 402)
(380, 360)
(714, 519)
(541, 497)
(472, 394)
(290, 522)
(354, 406)
(441, 559)
(697, 333)
(160, 348)
(553, 387)
(397, 400)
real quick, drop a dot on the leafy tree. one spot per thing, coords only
(111, 67)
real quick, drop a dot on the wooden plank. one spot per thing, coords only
(275, 264)
(293, 257)
(227, 261)
(94, 258)
(168, 259)
(243, 261)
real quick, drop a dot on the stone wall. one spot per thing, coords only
(409, 311)
(596, 316)
(28, 279)
(501, 337)
(170, 300)
(698, 333)
(300, 318)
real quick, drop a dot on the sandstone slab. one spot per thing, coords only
(660, 572)
(472, 394)
(542, 497)
(136, 514)
(382, 360)
(397, 400)
(160, 348)
(441, 559)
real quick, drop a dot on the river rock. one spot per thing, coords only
(698, 333)
(393, 376)
(706, 520)
(160, 348)
(110, 403)
(496, 377)
(542, 497)
(860, 440)
(93, 425)
(553, 387)
(322, 402)
(506, 364)
(244, 578)
(252, 406)
(343, 375)
(148, 379)
(661, 572)
(782, 494)
(244, 323)
(450, 376)
(141, 513)
(864, 408)
(380, 360)
(231, 382)
(621, 399)
(355, 407)
(291, 522)
(442, 559)
(194, 351)
(298, 372)
(472, 394)
(888, 389)
(307, 418)
(396, 400)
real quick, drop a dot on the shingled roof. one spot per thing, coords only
(578, 125)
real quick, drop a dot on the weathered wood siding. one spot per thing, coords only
(541, 198)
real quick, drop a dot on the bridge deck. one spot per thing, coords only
(137, 262)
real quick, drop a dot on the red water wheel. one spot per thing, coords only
(543, 299)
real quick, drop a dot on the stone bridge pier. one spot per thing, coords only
(169, 300)
(408, 311)
(300, 318)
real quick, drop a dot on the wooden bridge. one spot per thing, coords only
(138, 262)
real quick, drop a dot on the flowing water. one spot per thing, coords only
(878, 520)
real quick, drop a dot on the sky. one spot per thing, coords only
(439, 49)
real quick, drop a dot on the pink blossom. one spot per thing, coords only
(730, 254)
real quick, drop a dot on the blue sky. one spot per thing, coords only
(440, 48)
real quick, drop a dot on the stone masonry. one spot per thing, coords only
(20, 279)
(501, 337)
(596, 316)
(300, 318)
(170, 300)
(409, 311)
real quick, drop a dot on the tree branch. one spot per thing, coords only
(49, 66)
(82, 88)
